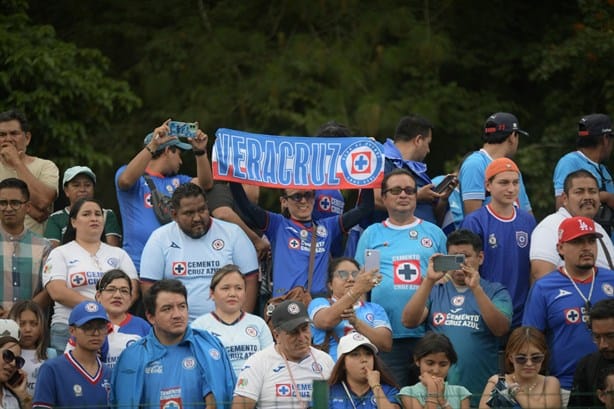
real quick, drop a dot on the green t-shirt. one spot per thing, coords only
(57, 222)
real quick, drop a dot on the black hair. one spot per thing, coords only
(602, 377)
(411, 126)
(333, 128)
(334, 263)
(71, 233)
(14, 183)
(433, 343)
(111, 275)
(464, 236)
(150, 296)
(602, 310)
(159, 152)
(577, 174)
(28, 305)
(186, 190)
(395, 172)
(15, 115)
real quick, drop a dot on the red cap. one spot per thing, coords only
(575, 227)
(500, 165)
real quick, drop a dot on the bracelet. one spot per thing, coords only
(377, 385)
(149, 150)
(433, 395)
(199, 152)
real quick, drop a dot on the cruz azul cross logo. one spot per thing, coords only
(407, 272)
(180, 268)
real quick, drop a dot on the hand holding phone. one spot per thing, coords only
(448, 263)
(16, 379)
(182, 129)
(445, 183)
(371, 260)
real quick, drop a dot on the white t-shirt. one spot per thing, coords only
(81, 271)
(545, 236)
(266, 379)
(248, 335)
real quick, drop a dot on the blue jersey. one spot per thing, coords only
(555, 308)
(329, 203)
(506, 251)
(136, 209)
(404, 257)
(338, 398)
(291, 243)
(456, 314)
(471, 180)
(371, 313)
(454, 214)
(63, 382)
(574, 161)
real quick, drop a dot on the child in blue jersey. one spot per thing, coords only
(359, 378)
(434, 354)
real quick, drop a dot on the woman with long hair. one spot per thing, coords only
(526, 359)
(13, 390)
(359, 379)
(242, 334)
(347, 310)
(73, 269)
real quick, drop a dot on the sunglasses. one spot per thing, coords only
(410, 191)
(297, 197)
(8, 356)
(523, 359)
(344, 275)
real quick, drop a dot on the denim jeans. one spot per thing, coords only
(58, 337)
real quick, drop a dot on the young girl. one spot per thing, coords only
(526, 356)
(33, 340)
(434, 354)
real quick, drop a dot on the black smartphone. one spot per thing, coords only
(445, 183)
(448, 263)
(15, 379)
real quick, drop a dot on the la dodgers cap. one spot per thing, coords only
(575, 227)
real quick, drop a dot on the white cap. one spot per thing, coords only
(73, 172)
(353, 340)
(9, 328)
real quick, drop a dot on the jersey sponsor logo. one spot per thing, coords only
(180, 268)
(217, 244)
(242, 383)
(321, 231)
(106, 385)
(189, 362)
(175, 182)
(413, 234)
(279, 368)
(572, 316)
(214, 353)
(522, 239)
(562, 293)
(426, 242)
(251, 331)
(439, 318)
(458, 300)
(170, 398)
(147, 201)
(77, 280)
(456, 310)
(154, 367)
(407, 272)
(608, 289)
(283, 390)
(294, 244)
(316, 367)
(174, 245)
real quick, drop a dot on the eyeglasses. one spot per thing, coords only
(15, 204)
(297, 197)
(523, 359)
(597, 338)
(91, 328)
(9, 356)
(344, 274)
(123, 291)
(397, 190)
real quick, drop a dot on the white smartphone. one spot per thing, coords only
(371, 259)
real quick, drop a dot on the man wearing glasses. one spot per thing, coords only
(405, 243)
(41, 175)
(559, 303)
(590, 368)
(22, 251)
(77, 379)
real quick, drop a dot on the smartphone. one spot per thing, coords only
(445, 183)
(371, 259)
(448, 263)
(15, 379)
(182, 129)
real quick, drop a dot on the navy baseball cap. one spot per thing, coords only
(595, 125)
(85, 312)
(502, 123)
(173, 142)
(289, 314)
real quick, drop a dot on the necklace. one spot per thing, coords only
(527, 390)
(587, 300)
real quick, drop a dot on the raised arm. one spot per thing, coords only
(366, 206)
(257, 215)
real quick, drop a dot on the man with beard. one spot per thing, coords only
(193, 247)
(580, 197)
(591, 367)
(559, 303)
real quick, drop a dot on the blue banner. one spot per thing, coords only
(297, 162)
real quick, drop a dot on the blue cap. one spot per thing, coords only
(86, 311)
(173, 142)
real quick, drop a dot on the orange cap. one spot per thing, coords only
(500, 165)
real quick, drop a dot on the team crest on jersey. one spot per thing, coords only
(316, 367)
(189, 362)
(522, 239)
(180, 268)
(77, 280)
(217, 244)
(324, 203)
(106, 385)
(176, 182)
(169, 188)
(113, 262)
(369, 317)
(407, 272)
(77, 389)
(439, 319)
(413, 234)
(283, 390)
(294, 244)
(492, 240)
(251, 331)
(426, 242)
(321, 231)
(176, 403)
(147, 201)
(572, 316)
(608, 289)
(214, 353)
(304, 233)
(458, 300)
